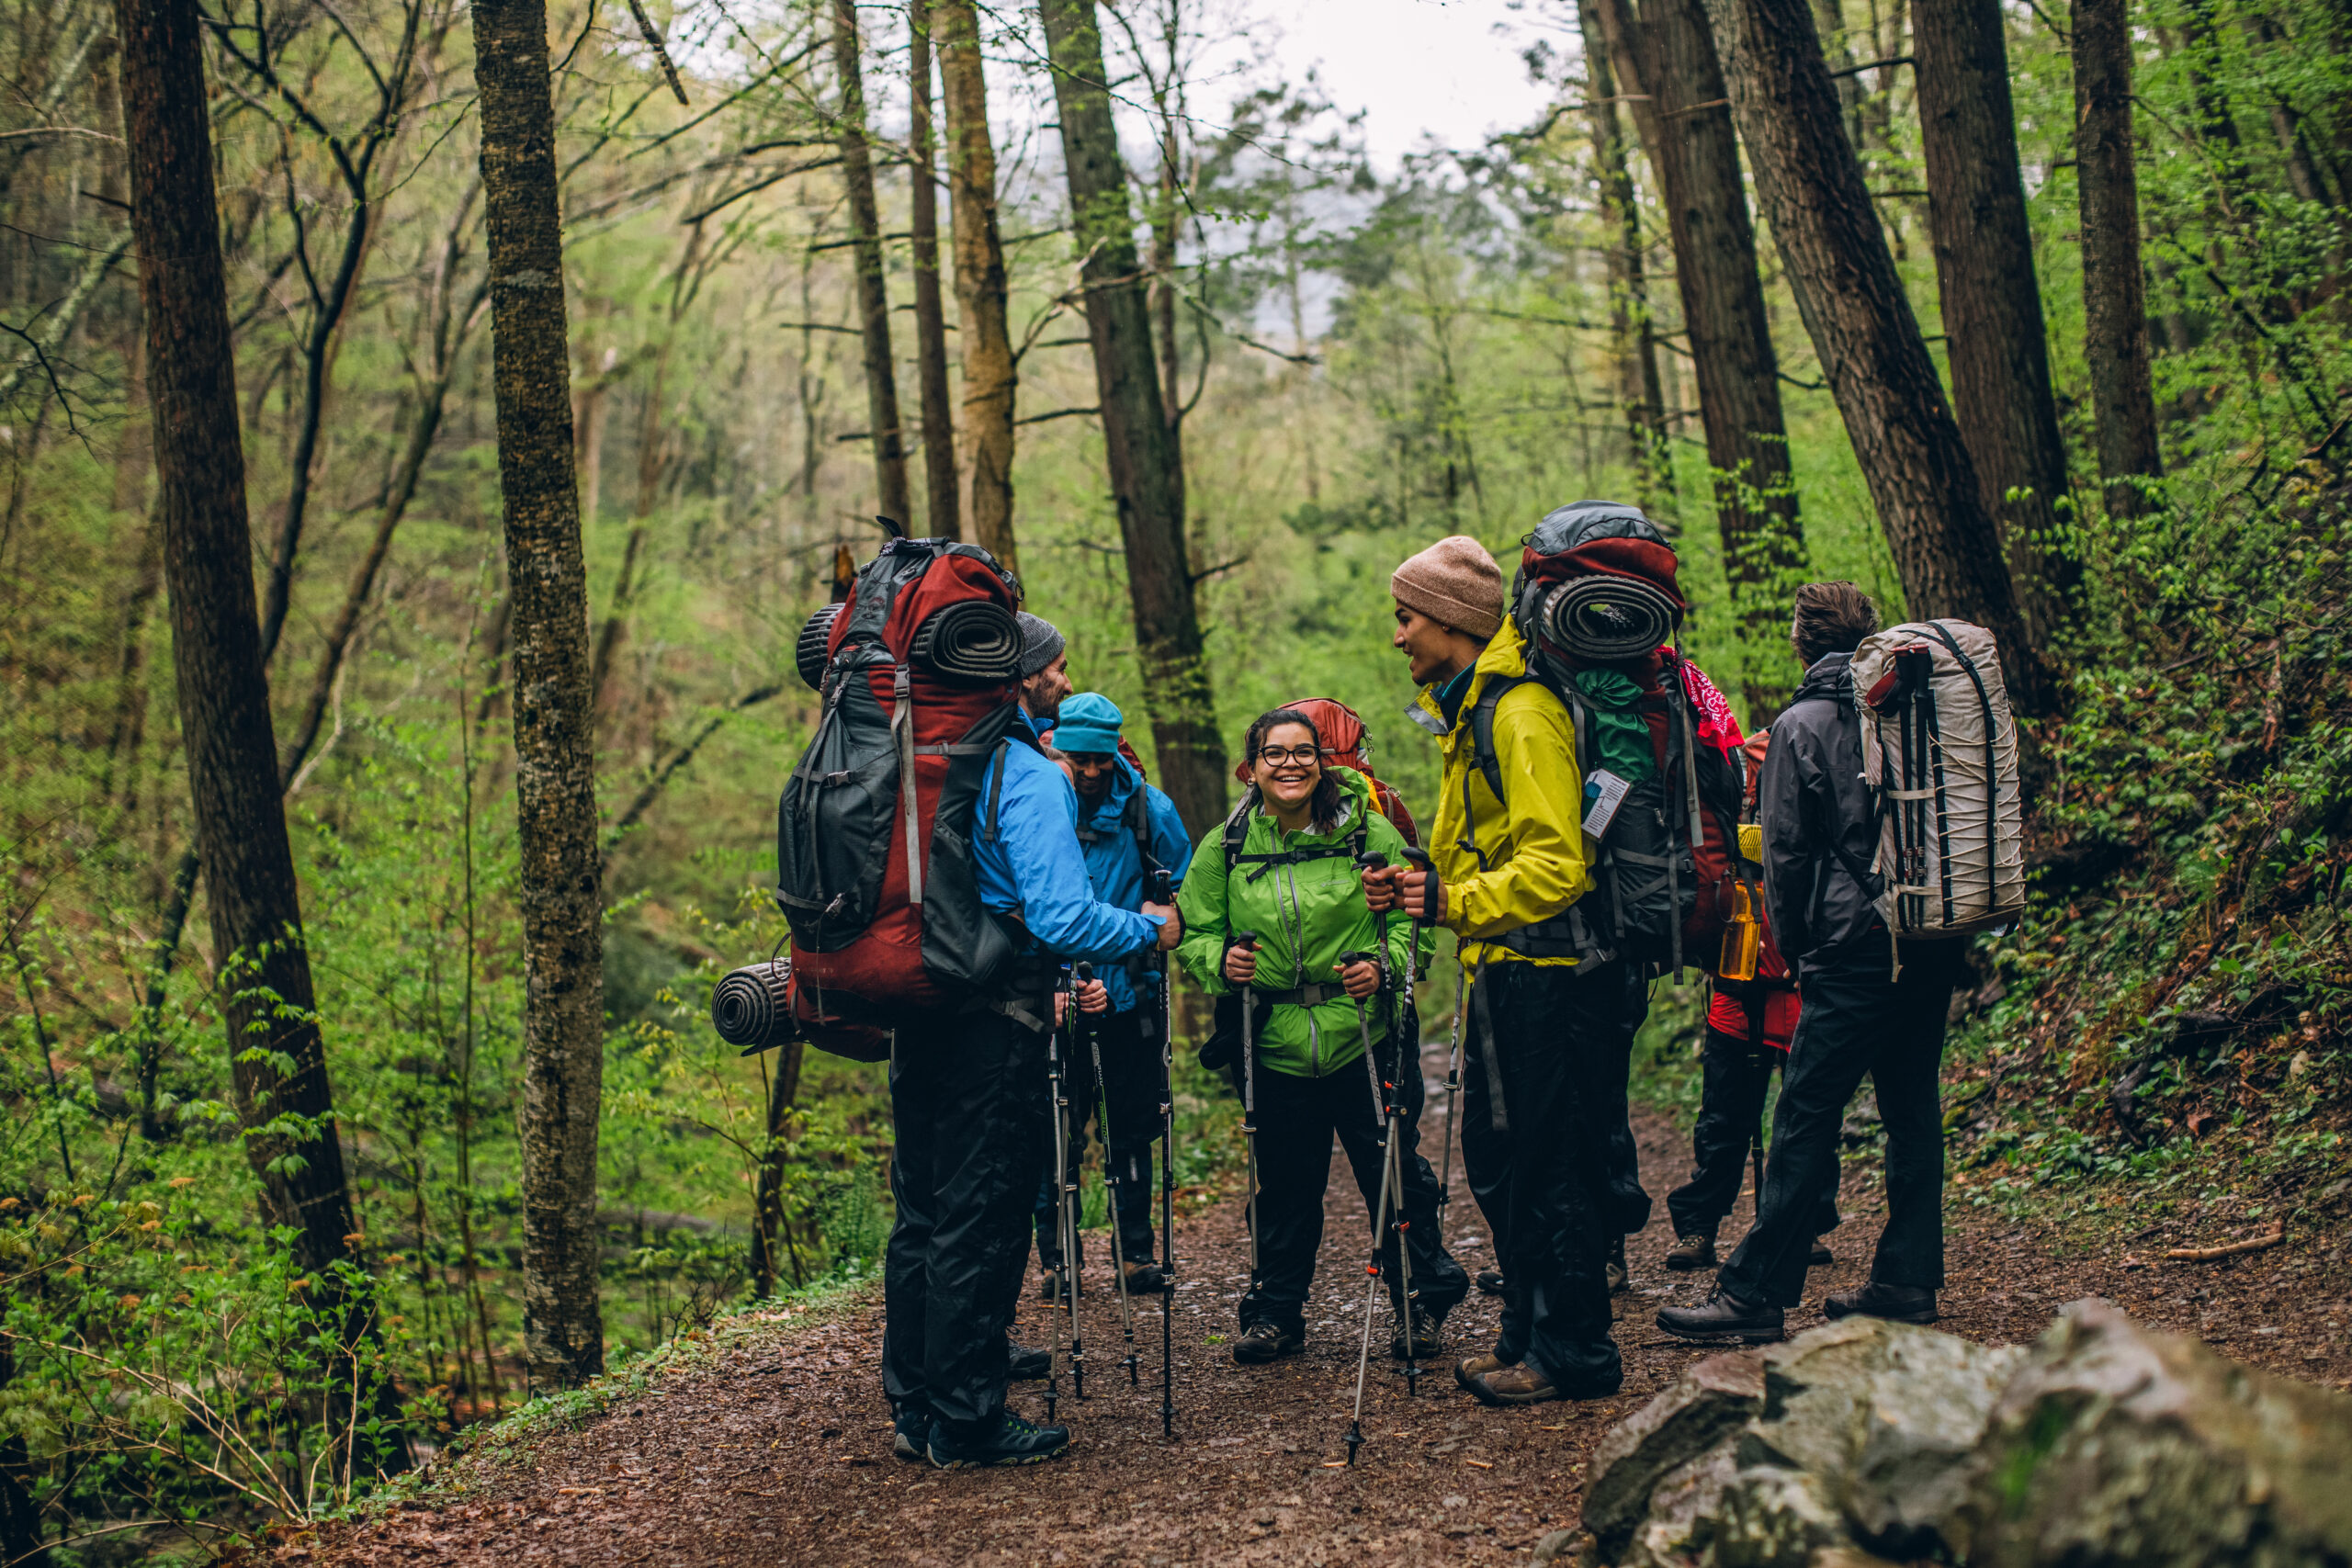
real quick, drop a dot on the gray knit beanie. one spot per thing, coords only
(1454, 582)
(1040, 644)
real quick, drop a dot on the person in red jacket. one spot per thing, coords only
(1749, 1026)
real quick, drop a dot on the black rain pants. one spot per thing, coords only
(969, 1101)
(1537, 1149)
(1857, 1021)
(1734, 1076)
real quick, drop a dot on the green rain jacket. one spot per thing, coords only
(1312, 907)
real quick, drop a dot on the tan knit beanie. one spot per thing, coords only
(1455, 581)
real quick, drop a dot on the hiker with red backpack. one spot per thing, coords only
(928, 861)
(1545, 1008)
(1128, 830)
(1891, 834)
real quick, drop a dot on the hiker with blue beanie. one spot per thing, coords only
(1128, 830)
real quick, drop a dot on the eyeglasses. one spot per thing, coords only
(1298, 756)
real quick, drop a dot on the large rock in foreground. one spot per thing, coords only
(1869, 1442)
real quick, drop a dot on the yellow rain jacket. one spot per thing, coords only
(1529, 865)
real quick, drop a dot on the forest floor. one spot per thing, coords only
(778, 1448)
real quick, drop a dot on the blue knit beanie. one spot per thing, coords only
(1089, 722)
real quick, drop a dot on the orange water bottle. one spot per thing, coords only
(1743, 938)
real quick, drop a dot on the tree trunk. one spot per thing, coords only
(562, 897)
(1945, 545)
(2115, 289)
(767, 1205)
(1632, 338)
(1145, 483)
(990, 374)
(1992, 306)
(944, 516)
(873, 295)
(266, 998)
(1667, 64)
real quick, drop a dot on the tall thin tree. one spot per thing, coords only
(944, 516)
(1632, 334)
(2115, 289)
(1994, 335)
(1946, 546)
(1666, 69)
(990, 374)
(279, 1059)
(1138, 439)
(555, 737)
(872, 291)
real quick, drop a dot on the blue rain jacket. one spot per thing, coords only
(1113, 863)
(1032, 867)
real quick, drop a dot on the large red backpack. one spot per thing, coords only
(874, 832)
(1596, 589)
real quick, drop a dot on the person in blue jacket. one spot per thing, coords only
(1128, 829)
(970, 1109)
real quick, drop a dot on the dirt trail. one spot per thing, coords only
(781, 1453)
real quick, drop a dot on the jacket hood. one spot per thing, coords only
(1831, 675)
(1125, 782)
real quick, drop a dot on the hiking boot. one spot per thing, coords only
(1490, 1281)
(1470, 1369)
(910, 1433)
(1614, 1270)
(1015, 1441)
(1722, 1316)
(1820, 1257)
(1028, 1365)
(1264, 1342)
(1426, 1338)
(1897, 1303)
(1050, 1287)
(1693, 1251)
(1522, 1384)
(1143, 1278)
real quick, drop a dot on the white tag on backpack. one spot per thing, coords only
(1604, 792)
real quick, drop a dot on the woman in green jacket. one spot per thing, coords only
(1291, 878)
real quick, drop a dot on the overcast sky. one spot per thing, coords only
(1451, 67)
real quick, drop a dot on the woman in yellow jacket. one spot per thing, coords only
(1548, 1017)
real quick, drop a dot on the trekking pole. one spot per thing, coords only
(1163, 893)
(1355, 1438)
(1248, 942)
(1112, 1186)
(1065, 1216)
(1056, 1094)
(1388, 1103)
(1420, 861)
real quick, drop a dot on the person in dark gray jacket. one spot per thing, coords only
(1868, 1010)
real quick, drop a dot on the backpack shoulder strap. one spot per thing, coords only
(1237, 827)
(1482, 728)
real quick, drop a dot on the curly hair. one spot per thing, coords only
(1324, 806)
(1831, 617)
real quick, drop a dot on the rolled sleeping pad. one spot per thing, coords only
(750, 1007)
(1607, 617)
(810, 652)
(974, 640)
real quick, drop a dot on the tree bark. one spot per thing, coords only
(991, 376)
(767, 1203)
(563, 895)
(1945, 547)
(873, 294)
(1666, 66)
(2115, 289)
(944, 516)
(1632, 338)
(1145, 483)
(279, 1070)
(1994, 336)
